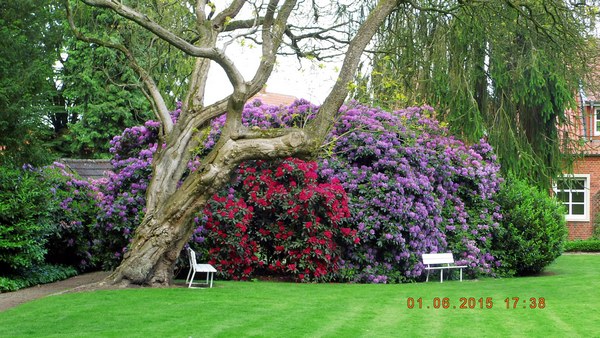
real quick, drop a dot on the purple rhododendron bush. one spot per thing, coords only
(413, 189)
(122, 195)
(386, 188)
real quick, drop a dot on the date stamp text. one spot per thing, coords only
(475, 303)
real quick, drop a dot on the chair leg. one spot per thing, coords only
(192, 279)
(188, 276)
(211, 278)
(441, 275)
(461, 274)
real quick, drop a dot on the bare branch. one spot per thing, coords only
(324, 121)
(239, 35)
(235, 77)
(227, 14)
(242, 24)
(318, 35)
(273, 29)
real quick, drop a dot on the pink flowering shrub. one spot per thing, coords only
(276, 219)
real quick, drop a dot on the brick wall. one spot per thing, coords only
(588, 165)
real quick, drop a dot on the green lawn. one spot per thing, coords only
(570, 288)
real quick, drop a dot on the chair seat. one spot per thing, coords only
(205, 268)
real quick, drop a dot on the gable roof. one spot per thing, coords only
(274, 99)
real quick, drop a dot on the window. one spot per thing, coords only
(574, 193)
(597, 121)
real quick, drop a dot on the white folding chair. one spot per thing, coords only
(195, 267)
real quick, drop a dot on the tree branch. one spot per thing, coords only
(235, 77)
(219, 22)
(319, 127)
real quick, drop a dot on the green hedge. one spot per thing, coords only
(41, 274)
(590, 245)
(24, 219)
(532, 231)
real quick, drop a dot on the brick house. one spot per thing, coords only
(580, 191)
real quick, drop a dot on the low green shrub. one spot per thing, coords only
(532, 231)
(589, 245)
(39, 274)
(24, 219)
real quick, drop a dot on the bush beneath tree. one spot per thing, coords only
(276, 219)
(533, 228)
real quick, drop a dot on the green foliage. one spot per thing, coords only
(45, 218)
(493, 69)
(103, 96)
(532, 231)
(39, 274)
(63, 97)
(24, 221)
(102, 93)
(589, 245)
(29, 44)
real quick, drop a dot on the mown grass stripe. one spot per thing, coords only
(268, 309)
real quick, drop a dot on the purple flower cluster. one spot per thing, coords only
(122, 195)
(414, 189)
(74, 213)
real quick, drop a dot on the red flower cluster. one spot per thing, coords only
(278, 220)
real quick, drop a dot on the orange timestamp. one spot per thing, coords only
(474, 303)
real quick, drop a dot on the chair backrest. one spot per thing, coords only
(439, 258)
(192, 256)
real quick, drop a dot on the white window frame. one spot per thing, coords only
(586, 198)
(596, 121)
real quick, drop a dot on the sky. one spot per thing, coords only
(311, 80)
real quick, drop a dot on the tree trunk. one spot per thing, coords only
(165, 229)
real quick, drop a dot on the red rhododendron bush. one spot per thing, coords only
(277, 219)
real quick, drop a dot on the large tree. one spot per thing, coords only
(30, 37)
(174, 197)
(506, 70)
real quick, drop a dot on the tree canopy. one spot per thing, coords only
(29, 44)
(501, 70)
